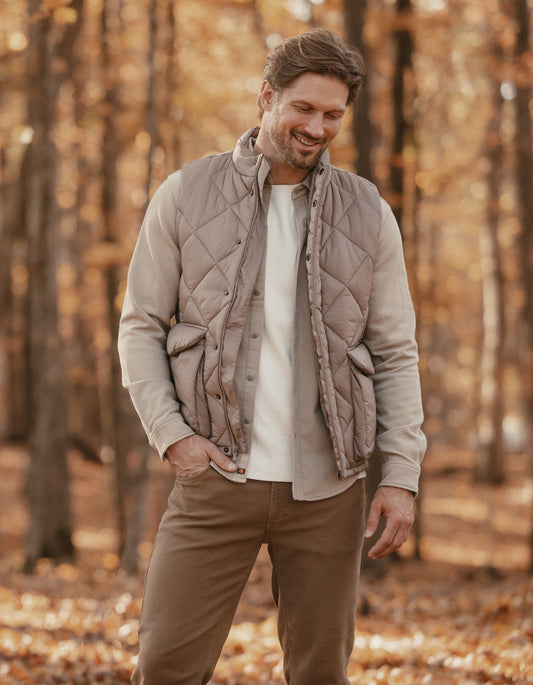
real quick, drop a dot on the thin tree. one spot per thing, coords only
(362, 129)
(524, 182)
(489, 467)
(139, 480)
(115, 426)
(50, 517)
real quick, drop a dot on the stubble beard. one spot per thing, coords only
(282, 144)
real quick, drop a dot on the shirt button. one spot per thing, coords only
(315, 202)
(254, 335)
(226, 292)
(247, 421)
(226, 449)
(256, 292)
(308, 256)
(321, 171)
(249, 378)
(216, 346)
(239, 242)
(219, 397)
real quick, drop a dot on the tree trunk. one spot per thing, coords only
(138, 484)
(524, 181)
(362, 129)
(50, 517)
(171, 88)
(114, 429)
(84, 397)
(402, 106)
(489, 466)
(14, 327)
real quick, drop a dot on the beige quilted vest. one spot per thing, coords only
(221, 233)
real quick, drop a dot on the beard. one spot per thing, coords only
(282, 142)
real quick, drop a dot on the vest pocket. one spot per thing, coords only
(186, 351)
(363, 400)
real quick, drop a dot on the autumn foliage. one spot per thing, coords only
(100, 100)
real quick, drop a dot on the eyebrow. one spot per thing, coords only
(310, 104)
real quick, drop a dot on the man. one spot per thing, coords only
(292, 360)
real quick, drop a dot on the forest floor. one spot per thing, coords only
(462, 615)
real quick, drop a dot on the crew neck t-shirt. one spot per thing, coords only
(271, 445)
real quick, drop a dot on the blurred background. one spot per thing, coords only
(99, 101)
(102, 99)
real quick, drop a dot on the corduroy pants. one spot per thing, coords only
(204, 551)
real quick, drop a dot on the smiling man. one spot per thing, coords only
(267, 341)
(302, 120)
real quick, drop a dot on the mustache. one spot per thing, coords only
(309, 138)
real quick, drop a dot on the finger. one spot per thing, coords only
(390, 540)
(220, 459)
(372, 521)
(190, 469)
(385, 543)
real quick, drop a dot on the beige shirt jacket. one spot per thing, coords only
(153, 302)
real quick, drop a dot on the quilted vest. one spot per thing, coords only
(221, 233)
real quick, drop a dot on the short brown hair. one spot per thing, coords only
(319, 52)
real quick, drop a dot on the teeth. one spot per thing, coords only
(304, 142)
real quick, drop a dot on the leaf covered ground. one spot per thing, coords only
(436, 621)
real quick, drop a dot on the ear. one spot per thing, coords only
(266, 96)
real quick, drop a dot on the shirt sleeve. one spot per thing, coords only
(390, 337)
(149, 305)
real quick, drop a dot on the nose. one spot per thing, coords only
(315, 126)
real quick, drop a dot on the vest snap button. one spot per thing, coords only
(308, 256)
(315, 203)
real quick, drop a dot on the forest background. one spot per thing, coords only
(100, 101)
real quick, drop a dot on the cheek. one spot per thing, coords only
(332, 129)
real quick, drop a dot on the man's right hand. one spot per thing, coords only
(191, 456)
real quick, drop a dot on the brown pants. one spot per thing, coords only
(204, 551)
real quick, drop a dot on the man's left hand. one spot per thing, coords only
(396, 505)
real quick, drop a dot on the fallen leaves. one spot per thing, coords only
(425, 624)
(66, 624)
(430, 622)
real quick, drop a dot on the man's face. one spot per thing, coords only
(300, 121)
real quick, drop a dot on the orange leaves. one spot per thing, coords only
(426, 624)
(50, 636)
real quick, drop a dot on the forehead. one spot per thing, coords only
(321, 90)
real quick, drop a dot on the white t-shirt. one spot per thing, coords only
(271, 447)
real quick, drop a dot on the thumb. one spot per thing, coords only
(220, 459)
(372, 521)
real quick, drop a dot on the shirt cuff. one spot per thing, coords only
(173, 430)
(398, 474)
